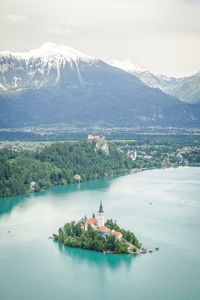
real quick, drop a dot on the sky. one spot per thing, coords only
(162, 36)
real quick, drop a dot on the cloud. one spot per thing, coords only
(59, 31)
(192, 2)
(16, 19)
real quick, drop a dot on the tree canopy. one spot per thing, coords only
(72, 235)
(58, 164)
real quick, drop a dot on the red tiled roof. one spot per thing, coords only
(92, 221)
(104, 229)
(116, 233)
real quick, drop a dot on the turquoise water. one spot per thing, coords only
(33, 267)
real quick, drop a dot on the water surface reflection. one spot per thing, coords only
(113, 261)
(7, 204)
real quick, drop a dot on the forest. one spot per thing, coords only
(58, 164)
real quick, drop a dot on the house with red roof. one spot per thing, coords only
(92, 138)
(117, 234)
(103, 230)
(92, 222)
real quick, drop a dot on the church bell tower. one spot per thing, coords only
(101, 215)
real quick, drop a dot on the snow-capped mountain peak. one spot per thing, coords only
(41, 67)
(51, 51)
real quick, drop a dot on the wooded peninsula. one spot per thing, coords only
(60, 163)
(27, 169)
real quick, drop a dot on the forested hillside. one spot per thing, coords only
(58, 164)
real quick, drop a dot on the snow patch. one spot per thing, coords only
(3, 87)
(126, 65)
(58, 74)
(15, 81)
(4, 68)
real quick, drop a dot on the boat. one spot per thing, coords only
(143, 250)
(157, 248)
(150, 251)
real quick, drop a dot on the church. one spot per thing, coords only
(98, 224)
(94, 222)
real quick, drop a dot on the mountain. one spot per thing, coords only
(186, 89)
(58, 84)
(40, 68)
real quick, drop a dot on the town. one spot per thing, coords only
(145, 151)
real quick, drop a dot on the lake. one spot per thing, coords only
(34, 267)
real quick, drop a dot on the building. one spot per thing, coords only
(103, 230)
(92, 222)
(77, 177)
(101, 215)
(93, 138)
(32, 185)
(98, 224)
(117, 234)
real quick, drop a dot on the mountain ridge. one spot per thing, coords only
(186, 88)
(50, 88)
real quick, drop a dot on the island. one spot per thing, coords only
(94, 234)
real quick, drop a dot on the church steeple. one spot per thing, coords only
(101, 207)
(101, 215)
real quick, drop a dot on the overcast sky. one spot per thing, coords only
(162, 36)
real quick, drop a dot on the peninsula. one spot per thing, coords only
(95, 234)
(35, 167)
(60, 163)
